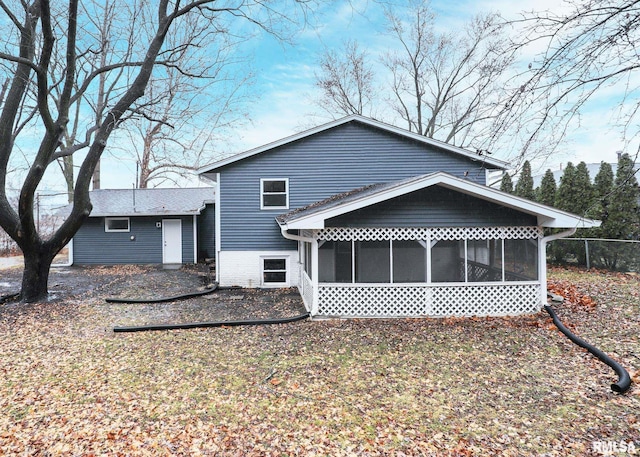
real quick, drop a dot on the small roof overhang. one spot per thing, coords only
(314, 216)
(499, 164)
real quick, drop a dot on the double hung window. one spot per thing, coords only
(274, 271)
(274, 193)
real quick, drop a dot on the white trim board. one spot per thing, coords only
(547, 216)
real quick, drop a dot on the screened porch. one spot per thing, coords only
(403, 272)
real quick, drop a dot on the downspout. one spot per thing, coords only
(69, 261)
(543, 260)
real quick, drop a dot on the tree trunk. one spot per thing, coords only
(96, 176)
(35, 276)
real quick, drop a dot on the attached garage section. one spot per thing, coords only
(142, 243)
(147, 226)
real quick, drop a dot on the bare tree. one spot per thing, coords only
(188, 108)
(37, 35)
(588, 48)
(346, 80)
(442, 85)
(447, 85)
(78, 134)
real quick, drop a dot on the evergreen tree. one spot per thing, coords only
(568, 198)
(602, 190)
(506, 185)
(584, 198)
(601, 254)
(623, 221)
(546, 192)
(566, 190)
(524, 186)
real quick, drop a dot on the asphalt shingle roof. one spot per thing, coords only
(345, 197)
(150, 202)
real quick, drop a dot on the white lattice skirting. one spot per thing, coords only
(428, 301)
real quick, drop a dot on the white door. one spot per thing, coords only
(171, 241)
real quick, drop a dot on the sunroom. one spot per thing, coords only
(433, 245)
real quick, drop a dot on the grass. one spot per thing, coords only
(507, 386)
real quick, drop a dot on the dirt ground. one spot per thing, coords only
(68, 284)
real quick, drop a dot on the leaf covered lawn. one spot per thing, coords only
(458, 387)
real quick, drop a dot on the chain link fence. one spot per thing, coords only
(614, 255)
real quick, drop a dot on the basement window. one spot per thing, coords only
(116, 224)
(274, 271)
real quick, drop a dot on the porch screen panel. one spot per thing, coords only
(409, 261)
(484, 260)
(521, 260)
(373, 262)
(447, 261)
(334, 261)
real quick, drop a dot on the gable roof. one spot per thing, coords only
(313, 216)
(150, 202)
(364, 121)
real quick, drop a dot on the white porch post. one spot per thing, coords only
(195, 239)
(217, 228)
(542, 270)
(314, 276)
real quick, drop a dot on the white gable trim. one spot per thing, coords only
(546, 215)
(363, 120)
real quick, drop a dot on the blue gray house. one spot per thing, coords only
(147, 226)
(370, 220)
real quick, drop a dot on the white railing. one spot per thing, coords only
(306, 290)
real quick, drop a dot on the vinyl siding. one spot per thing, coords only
(92, 245)
(337, 160)
(207, 232)
(433, 207)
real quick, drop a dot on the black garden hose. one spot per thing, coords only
(9, 298)
(144, 328)
(163, 299)
(624, 381)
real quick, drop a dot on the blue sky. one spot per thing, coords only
(286, 75)
(284, 87)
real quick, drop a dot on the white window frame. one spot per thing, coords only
(286, 271)
(262, 193)
(109, 230)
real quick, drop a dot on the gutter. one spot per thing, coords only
(557, 236)
(289, 236)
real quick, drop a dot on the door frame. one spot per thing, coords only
(165, 239)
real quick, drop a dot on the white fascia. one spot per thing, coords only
(547, 216)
